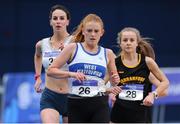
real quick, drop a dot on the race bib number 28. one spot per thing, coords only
(132, 92)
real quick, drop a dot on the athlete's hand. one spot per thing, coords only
(78, 75)
(149, 100)
(37, 85)
(115, 78)
(114, 90)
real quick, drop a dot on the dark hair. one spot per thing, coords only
(144, 45)
(60, 7)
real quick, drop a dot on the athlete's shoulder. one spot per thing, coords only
(109, 51)
(69, 39)
(43, 40)
(148, 59)
(71, 46)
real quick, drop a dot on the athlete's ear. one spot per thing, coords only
(83, 31)
(67, 23)
(102, 32)
(50, 22)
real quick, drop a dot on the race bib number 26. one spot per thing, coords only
(87, 88)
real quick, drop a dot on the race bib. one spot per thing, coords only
(87, 88)
(132, 92)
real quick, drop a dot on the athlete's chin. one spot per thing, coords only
(129, 50)
(58, 30)
(92, 43)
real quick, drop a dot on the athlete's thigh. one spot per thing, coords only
(49, 115)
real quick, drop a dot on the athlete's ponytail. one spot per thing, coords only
(77, 34)
(145, 48)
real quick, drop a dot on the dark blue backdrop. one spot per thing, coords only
(24, 22)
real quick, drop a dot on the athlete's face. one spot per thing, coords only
(59, 20)
(92, 32)
(128, 41)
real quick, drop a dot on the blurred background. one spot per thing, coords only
(24, 22)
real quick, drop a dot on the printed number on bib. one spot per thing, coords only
(131, 92)
(84, 90)
(50, 61)
(87, 88)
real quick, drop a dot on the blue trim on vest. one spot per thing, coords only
(105, 55)
(74, 55)
(93, 54)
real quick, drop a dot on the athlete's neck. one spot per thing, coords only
(90, 48)
(59, 37)
(129, 57)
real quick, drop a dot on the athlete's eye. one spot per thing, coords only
(132, 40)
(55, 18)
(89, 30)
(124, 39)
(96, 31)
(62, 18)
